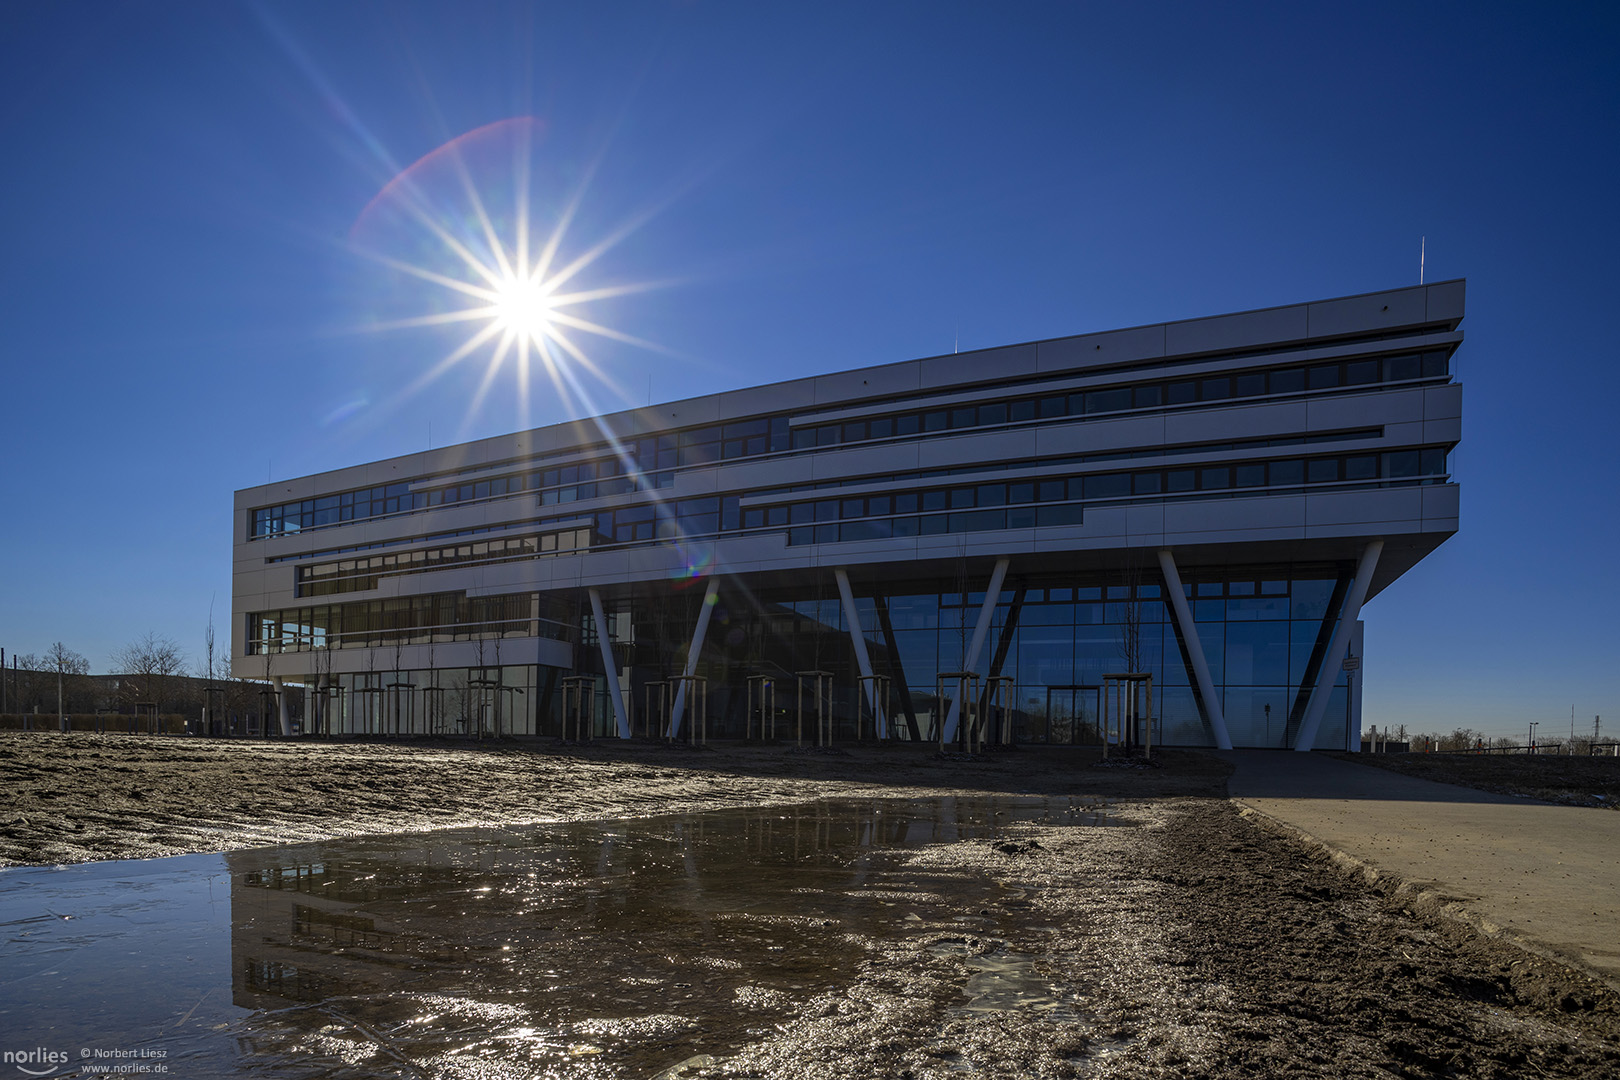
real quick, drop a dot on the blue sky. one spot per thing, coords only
(823, 186)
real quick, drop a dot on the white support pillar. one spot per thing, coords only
(858, 638)
(281, 706)
(710, 596)
(1195, 650)
(1342, 632)
(621, 719)
(970, 662)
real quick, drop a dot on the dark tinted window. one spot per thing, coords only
(1358, 372)
(1182, 392)
(1287, 472)
(1216, 477)
(1108, 400)
(1181, 480)
(1147, 397)
(1111, 486)
(1215, 389)
(1322, 470)
(1361, 467)
(1250, 385)
(1250, 476)
(1288, 381)
(1324, 376)
(1403, 367)
(1402, 463)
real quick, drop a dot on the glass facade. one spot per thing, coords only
(1263, 632)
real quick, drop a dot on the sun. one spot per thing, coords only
(471, 224)
(522, 308)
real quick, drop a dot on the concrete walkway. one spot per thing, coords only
(1546, 876)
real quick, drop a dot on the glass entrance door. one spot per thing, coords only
(1071, 715)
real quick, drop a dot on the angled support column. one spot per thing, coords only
(1342, 633)
(1195, 650)
(970, 662)
(621, 719)
(857, 637)
(710, 595)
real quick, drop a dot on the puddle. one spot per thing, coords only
(640, 948)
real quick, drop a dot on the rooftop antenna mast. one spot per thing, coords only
(1423, 246)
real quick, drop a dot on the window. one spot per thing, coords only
(1359, 372)
(1179, 393)
(1287, 381)
(1215, 389)
(1110, 486)
(1402, 463)
(1108, 400)
(1322, 470)
(1361, 467)
(1250, 475)
(1147, 397)
(1399, 368)
(1324, 376)
(1251, 385)
(1214, 478)
(1287, 472)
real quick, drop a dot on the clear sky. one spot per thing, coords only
(183, 311)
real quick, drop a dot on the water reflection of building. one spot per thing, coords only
(1209, 501)
(524, 911)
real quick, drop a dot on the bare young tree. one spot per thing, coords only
(148, 663)
(66, 664)
(209, 669)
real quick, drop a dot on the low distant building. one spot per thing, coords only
(1208, 501)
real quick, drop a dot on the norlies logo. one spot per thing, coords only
(43, 1061)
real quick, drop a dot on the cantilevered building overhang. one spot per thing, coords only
(1276, 468)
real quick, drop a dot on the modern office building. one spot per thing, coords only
(1208, 501)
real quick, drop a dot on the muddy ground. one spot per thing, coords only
(1194, 943)
(1556, 778)
(78, 797)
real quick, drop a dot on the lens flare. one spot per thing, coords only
(474, 235)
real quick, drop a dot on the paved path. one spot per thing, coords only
(1548, 876)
